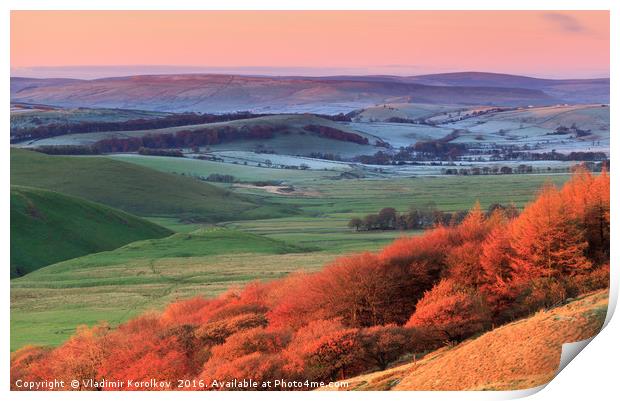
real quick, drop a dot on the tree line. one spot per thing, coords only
(337, 134)
(521, 169)
(139, 124)
(172, 120)
(430, 151)
(213, 136)
(362, 312)
(417, 219)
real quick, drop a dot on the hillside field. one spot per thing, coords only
(26, 115)
(135, 189)
(47, 305)
(48, 227)
(286, 140)
(519, 355)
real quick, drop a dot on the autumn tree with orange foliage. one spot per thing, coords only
(546, 241)
(453, 310)
(382, 345)
(588, 202)
(361, 290)
(497, 283)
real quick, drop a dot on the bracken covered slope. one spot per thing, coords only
(519, 355)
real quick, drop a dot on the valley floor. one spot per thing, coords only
(47, 305)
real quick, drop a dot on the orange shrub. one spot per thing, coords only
(145, 349)
(79, 358)
(453, 310)
(257, 367)
(382, 345)
(360, 289)
(324, 350)
(261, 340)
(24, 364)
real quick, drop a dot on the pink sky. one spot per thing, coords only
(539, 43)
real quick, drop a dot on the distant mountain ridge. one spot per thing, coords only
(595, 90)
(217, 93)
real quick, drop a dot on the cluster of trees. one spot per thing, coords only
(172, 120)
(324, 156)
(572, 156)
(495, 170)
(361, 312)
(416, 219)
(404, 120)
(188, 138)
(379, 158)
(431, 151)
(520, 169)
(66, 150)
(442, 147)
(214, 135)
(335, 117)
(160, 152)
(334, 133)
(216, 177)
(573, 129)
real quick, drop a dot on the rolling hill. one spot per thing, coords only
(48, 304)
(518, 355)
(288, 132)
(32, 115)
(569, 90)
(229, 93)
(136, 189)
(48, 227)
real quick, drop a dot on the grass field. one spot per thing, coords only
(519, 355)
(322, 221)
(204, 168)
(47, 227)
(47, 305)
(135, 189)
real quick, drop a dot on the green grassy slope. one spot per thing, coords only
(48, 227)
(48, 304)
(135, 189)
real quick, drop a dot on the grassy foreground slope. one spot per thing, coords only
(48, 304)
(518, 355)
(48, 227)
(134, 189)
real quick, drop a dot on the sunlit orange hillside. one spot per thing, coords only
(369, 311)
(518, 355)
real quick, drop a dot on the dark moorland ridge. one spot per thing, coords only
(229, 93)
